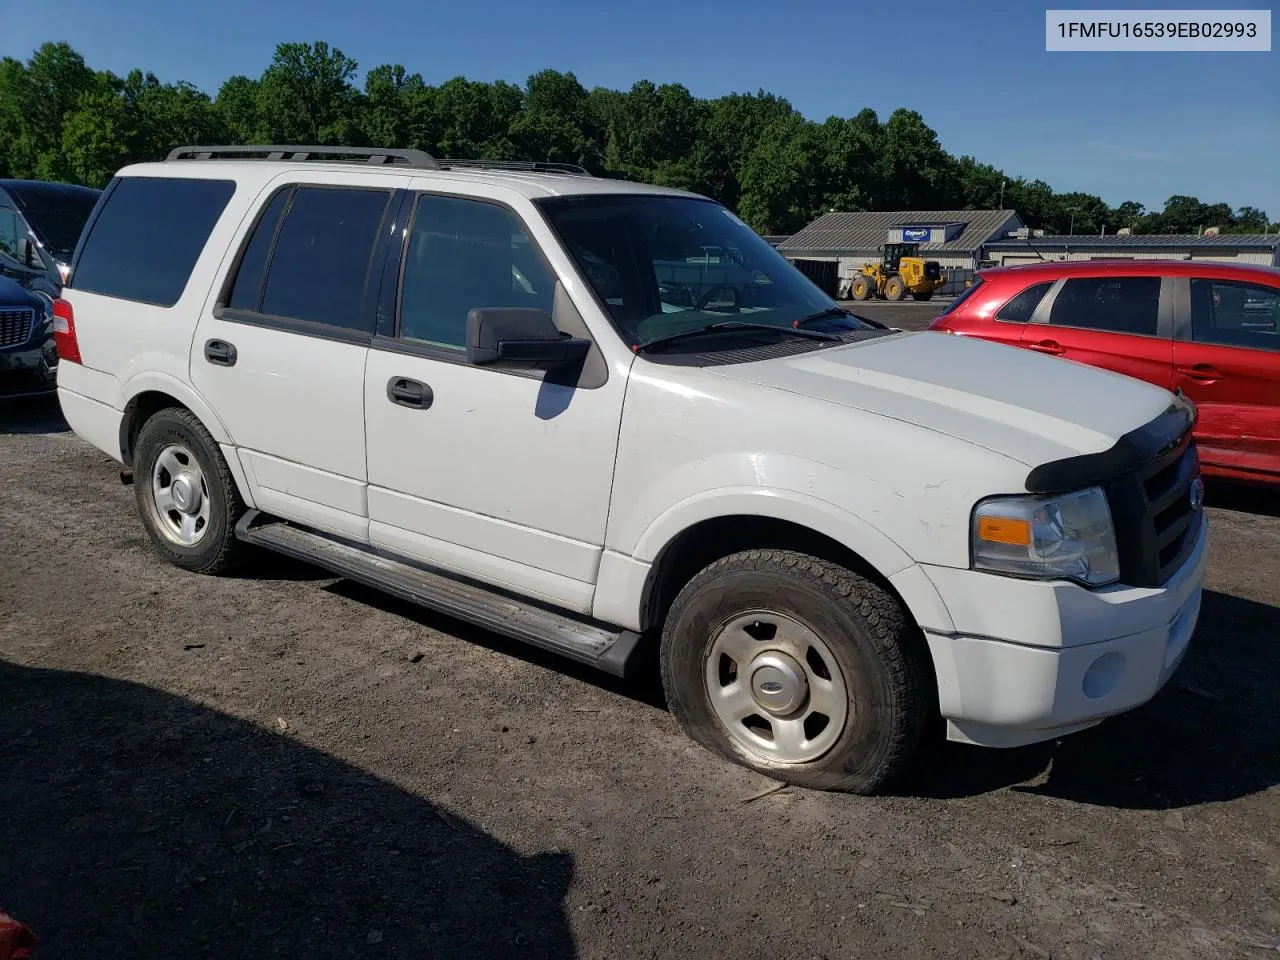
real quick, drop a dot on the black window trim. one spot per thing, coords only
(391, 340)
(312, 328)
(97, 213)
(1183, 330)
(1164, 308)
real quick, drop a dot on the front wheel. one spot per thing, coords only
(894, 289)
(797, 668)
(186, 495)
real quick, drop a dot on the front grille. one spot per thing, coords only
(15, 325)
(1156, 515)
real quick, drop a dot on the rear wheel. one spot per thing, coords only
(861, 288)
(797, 668)
(186, 496)
(923, 296)
(894, 289)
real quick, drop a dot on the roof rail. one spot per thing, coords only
(375, 156)
(530, 166)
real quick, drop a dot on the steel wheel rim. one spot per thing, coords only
(776, 687)
(179, 499)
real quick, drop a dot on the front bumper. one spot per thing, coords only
(1031, 661)
(30, 370)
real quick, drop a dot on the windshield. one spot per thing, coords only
(664, 265)
(56, 213)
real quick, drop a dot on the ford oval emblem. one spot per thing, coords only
(771, 686)
(1197, 493)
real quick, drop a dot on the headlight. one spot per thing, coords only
(1068, 536)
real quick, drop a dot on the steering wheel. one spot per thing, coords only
(702, 301)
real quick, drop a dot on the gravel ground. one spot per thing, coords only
(287, 765)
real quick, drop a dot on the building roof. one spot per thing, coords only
(834, 233)
(1258, 241)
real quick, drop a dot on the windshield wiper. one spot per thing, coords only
(832, 313)
(727, 326)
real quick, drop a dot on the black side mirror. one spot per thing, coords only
(517, 338)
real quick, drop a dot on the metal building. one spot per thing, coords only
(1252, 248)
(957, 239)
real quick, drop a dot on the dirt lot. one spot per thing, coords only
(285, 765)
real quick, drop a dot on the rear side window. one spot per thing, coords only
(247, 292)
(1111, 304)
(319, 268)
(1021, 307)
(1235, 314)
(148, 237)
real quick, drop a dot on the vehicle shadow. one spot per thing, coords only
(31, 415)
(1209, 736)
(139, 824)
(645, 687)
(1262, 501)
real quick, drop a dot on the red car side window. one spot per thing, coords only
(1112, 304)
(1235, 314)
(1022, 306)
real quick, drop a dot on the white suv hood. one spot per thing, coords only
(1028, 407)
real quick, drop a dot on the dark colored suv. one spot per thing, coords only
(40, 224)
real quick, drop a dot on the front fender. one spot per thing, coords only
(791, 506)
(621, 592)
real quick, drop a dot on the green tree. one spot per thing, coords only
(306, 95)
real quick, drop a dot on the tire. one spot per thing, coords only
(860, 289)
(172, 444)
(894, 289)
(923, 296)
(868, 646)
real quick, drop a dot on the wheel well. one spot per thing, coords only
(137, 412)
(704, 543)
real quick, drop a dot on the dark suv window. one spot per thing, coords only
(319, 267)
(148, 237)
(1235, 314)
(465, 254)
(1113, 304)
(246, 294)
(1022, 306)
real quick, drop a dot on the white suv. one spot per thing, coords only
(603, 417)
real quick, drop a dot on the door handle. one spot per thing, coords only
(1047, 346)
(220, 352)
(409, 393)
(1200, 372)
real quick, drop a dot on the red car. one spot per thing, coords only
(1211, 330)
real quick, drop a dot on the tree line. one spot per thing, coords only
(754, 152)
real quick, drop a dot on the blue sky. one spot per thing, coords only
(1126, 126)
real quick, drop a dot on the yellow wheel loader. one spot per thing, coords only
(901, 271)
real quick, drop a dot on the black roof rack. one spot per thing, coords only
(375, 156)
(530, 166)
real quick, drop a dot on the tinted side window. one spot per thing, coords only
(149, 236)
(247, 292)
(1235, 314)
(8, 232)
(320, 264)
(1022, 306)
(465, 254)
(1114, 304)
